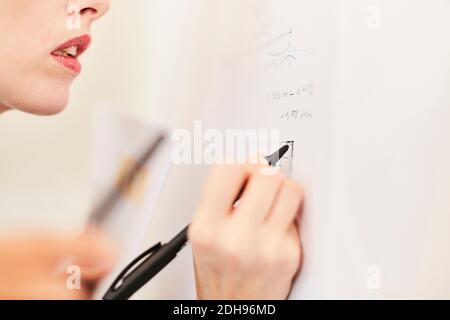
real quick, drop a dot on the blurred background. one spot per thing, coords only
(45, 161)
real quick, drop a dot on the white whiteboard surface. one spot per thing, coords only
(287, 84)
(391, 178)
(372, 147)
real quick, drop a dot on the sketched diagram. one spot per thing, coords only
(282, 50)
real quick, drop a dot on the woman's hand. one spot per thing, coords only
(30, 267)
(252, 251)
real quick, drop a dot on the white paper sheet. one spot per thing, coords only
(119, 141)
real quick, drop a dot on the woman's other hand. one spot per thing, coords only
(31, 267)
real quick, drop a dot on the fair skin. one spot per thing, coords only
(250, 251)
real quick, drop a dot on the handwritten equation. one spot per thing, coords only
(283, 97)
(296, 114)
(305, 90)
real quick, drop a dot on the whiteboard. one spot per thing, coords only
(362, 87)
(281, 77)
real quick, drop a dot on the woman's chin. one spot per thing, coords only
(43, 105)
(50, 109)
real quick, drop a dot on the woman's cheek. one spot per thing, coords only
(30, 79)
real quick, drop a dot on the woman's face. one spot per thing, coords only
(40, 41)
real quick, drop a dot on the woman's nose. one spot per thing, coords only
(92, 9)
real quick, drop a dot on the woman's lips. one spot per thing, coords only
(67, 54)
(71, 63)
